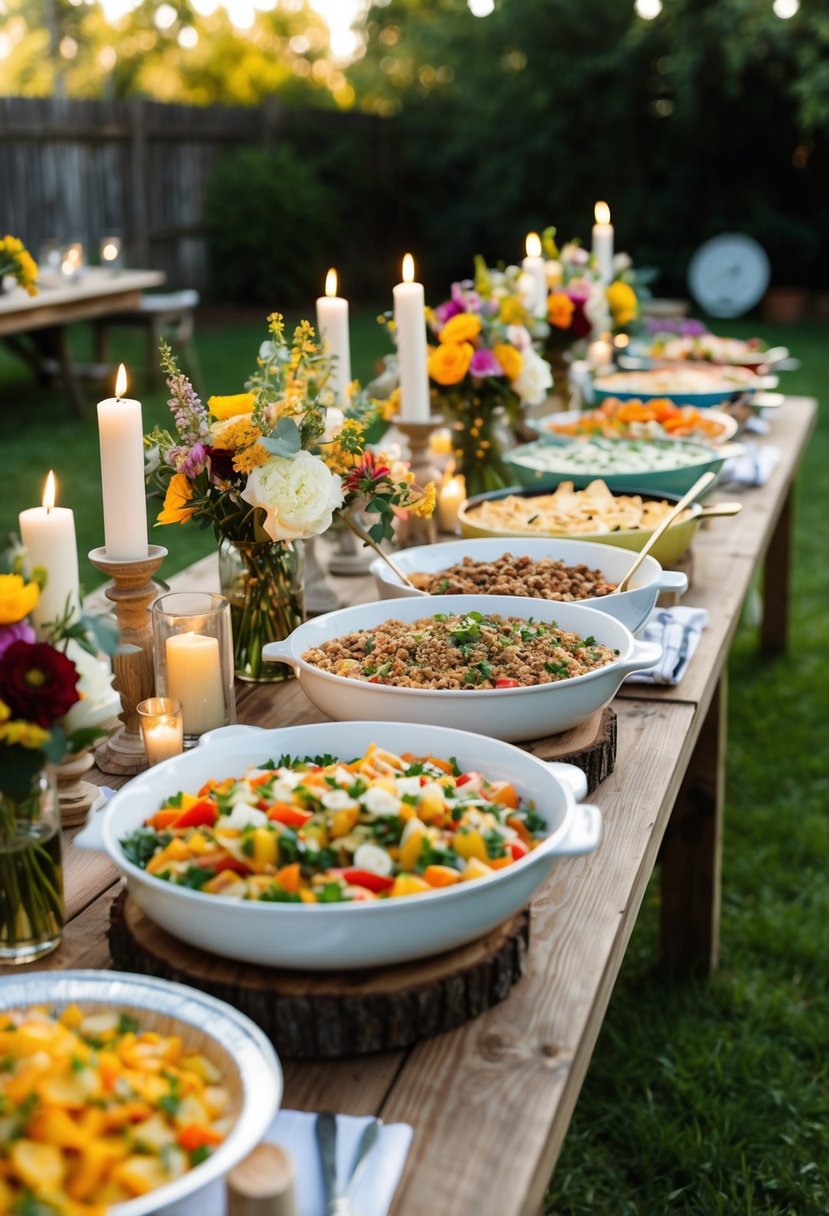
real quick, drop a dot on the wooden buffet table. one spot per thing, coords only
(503, 1087)
(35, 326)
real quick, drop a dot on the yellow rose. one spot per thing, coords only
(24, 734)
(509, 358)
(560, 309)
(449, 363)
(464, 327)
(621, 299)
(17, 599)
(229, 407)
(175, 509)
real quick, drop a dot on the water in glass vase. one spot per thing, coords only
(31, 889)
(264, 585)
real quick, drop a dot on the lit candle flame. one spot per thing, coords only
(331, 282)
(49, 492)
(110, 251)
(121, 381)
(533, 245)
(602, 213)
(408, 268)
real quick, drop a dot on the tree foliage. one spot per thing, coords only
(712, 117)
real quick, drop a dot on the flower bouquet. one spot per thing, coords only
(579, 304)
(15, 260)
(268, 468)
(482, 368)
(51, 704)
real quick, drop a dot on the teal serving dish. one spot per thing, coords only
(669, 466)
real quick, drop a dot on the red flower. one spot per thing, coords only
(580, 325)
(366, 475)
(37, 682)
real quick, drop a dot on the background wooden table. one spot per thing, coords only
(490, 1103)
(35, 326)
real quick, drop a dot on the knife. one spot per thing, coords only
(325, 1128)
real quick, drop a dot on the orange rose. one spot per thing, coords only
(463, 327)
(560, 309)
(509, 358)
(449, 363)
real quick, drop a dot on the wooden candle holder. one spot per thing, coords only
(414, 530)
(131, 591)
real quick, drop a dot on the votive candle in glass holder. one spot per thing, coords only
(112, 253)
(73, 260)
(193, 658)
(162, 728)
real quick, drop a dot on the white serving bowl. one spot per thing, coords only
(346, 935)
(249, 1065)
(631, 607)
(505, 713)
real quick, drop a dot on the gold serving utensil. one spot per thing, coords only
(718, 510)
(362, 535)
(696, 489)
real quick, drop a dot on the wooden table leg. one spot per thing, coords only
(775, 623)
(692, 851)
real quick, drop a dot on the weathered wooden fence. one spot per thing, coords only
(78, 170)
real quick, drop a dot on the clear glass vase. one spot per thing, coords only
(478, 444)
(264, 584)
(31, 873)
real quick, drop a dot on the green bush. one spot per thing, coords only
(268, 216)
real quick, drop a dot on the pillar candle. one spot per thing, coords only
(48, 535)
(332, 324)
(121, 437)
(535, 270)
(603, 242)
(194, 677)
(410, 327)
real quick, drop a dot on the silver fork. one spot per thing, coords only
(338, 1202)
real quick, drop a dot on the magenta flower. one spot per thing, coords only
(20, 631)
(484, 363)
(449, 308)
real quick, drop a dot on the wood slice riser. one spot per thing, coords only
(347, 1013)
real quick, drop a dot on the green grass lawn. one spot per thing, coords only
(703, 1097)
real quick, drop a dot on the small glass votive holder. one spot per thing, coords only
(193, 658)
(112, 254)
(162, 728)
(73, 262)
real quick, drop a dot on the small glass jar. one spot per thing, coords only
(111, 252)
(162, 728)
(31, 871)
(193, 658)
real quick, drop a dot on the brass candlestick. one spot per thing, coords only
(131, 591)
(414, 530)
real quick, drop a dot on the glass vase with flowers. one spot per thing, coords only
(268, 468)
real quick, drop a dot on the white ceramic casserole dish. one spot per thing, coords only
(325, 937)
(505, 713)
(632, 607)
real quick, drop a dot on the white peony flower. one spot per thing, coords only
(575, 254)
(298, 495)
(99, 701)
(621, 263)
(534, 379)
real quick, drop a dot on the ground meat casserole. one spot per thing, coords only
(542, 579)
(471, 651)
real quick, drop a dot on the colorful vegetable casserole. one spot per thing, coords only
(318, 831)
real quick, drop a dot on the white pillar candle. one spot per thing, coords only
(536, 272)
(410, 327)
(451, 495)
(194, 677)
(121, 437)
(603, 242)
(48, 535)
(332, 324)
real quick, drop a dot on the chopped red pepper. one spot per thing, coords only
(506, 682)
(518, 850)
(200, 815)
(365, 878)
(196, 1135)
(217, 865)
(291, 816)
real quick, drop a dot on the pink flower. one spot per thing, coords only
(484, 363)
(20, 631)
